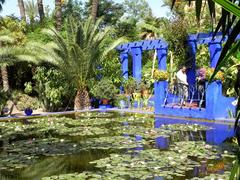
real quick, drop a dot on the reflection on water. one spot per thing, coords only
(79, 161)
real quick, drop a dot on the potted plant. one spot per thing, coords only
(104, 90)
(129, 86)
(121, 101)
(160, 75)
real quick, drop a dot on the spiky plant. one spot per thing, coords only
(77, 54)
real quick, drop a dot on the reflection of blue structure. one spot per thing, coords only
(217, 106)
(216, 135)
(162, 142)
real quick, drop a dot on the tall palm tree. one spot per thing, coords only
(150, 32)
(77, 55)
(94, 9)
(58, 14)
(1, 3)
(31, 10)
(40, 10)
(5, 40)
(22, 9)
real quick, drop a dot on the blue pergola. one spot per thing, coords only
(216, 104)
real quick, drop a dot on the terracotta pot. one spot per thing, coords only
(105, 101)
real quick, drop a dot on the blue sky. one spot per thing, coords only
(10, 7)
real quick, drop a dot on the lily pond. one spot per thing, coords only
(112, 145)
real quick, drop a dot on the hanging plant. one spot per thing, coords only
(160, 75)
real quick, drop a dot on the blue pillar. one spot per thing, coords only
(162, 58)
(124, 63)
(192, 49)
(159, 96)
(215, 49)
(137, 62)
(213, 99)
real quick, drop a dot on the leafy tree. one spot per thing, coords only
(110, 11)
(137, 9)
(78, 54)
(73, 8)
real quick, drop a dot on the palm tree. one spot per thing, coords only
(22, 9)
(77, 55)
(58, 14)
(94, 9)
(1, 3)
(40, 10)
(5, 39)
(31, 10)
(150, 32)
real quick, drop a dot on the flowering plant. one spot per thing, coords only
(218, 76)
(160, 75)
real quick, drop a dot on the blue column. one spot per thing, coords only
(162, 58)
(192, 49)
(213, 99)
(215, 49)
(124, 62)
(137, 62)
(159, 96)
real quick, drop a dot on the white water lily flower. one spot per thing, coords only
(225, 152)
(74, 145)
(61, 140)
(170, 158)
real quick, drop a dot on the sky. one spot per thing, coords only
(11, 7)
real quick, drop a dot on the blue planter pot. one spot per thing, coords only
(28, 111)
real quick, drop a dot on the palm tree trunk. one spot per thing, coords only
(58, 15)
(81, 99)
(22, 9)
(5, 81)
(94, 9)
(40, 10)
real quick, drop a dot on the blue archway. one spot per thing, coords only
(217, 106)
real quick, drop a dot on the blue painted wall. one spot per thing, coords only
(217, 106)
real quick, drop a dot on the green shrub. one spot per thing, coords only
(24, 101)
(104, 89)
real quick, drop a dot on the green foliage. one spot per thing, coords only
(130, 85)
(137, 9)
(15, 28)
(24, 101)
(73, 8)
(108, 10)
(202, 56)
(52, 87)
(104, 89)
(176, 35)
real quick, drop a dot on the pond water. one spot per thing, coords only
(113, 145)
